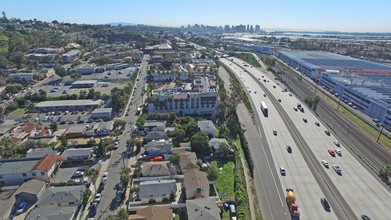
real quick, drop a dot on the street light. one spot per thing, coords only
(381, 131)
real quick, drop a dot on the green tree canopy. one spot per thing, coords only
(200, 144)
(60, 71)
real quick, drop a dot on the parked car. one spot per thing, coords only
(105, 176)
(118, 196)
(21, 207)
(93, 208)
(98, 197)
(78, 173)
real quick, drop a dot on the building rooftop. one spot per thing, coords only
(328, 60)
(156, 188)
(155, 213)
(61, 195)
(195, 179)
(202, 209)
(78, 82)
(20, 165)
(63, 103)
(102, 110)
(51, 212)
(155, 169)
(47, 162)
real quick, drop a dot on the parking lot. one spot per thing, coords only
(63, 88)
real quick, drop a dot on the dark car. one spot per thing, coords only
(325, 204)
(327, 132)
(365, 217)
(93, 208)
(101, 186)
(289, 149)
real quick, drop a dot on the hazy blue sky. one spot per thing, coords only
(331, 15)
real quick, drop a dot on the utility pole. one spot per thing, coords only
(381, 131)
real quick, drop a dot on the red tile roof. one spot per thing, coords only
(46, 162)
(28, 127)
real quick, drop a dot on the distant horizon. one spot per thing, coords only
(360, 16)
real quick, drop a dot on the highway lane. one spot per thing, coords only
(268, 186)
(108, 204)
(365, 188)
(298, 174)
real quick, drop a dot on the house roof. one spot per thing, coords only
(40, 152)
(32, 186)
(19, 165)
(186, 159)
(202, 209)
(159, 146)
(76, 152)
(152, 123)
(207, 126)
(155, 213)
(51, 212)
(155, 169)
(195, 179)
(215, 142)
(107, 125)
(28, 127)
(76, 129)
(156, 188)
(156, 135)
(102, 110)
(62, 195)
(46, 162)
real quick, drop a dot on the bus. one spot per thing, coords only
(264, 109)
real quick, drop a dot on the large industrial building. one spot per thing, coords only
(68, 105)
(362, 84)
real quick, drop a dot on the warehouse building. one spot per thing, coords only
(68, 105)
(362, 84)
(101, 113)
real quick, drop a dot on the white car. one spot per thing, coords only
(337, 168)
(338, 151)
(282, 171)
(325, 163)
(98, 197)
(105, 176)
(337, 143)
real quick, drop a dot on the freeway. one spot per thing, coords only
(361, 191)
(108, 204)
(298, 174)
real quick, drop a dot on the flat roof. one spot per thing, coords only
(102, 110)
(62, 103)
(328, 60)
(17, 165)
(85, 82)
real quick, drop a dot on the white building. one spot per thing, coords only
(71, 56)
(102, 113)
(84, 84)
(21, 78)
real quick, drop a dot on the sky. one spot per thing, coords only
(313, 15)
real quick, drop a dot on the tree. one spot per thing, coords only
(3, 61)
(385, 171)
(102, 148)
(18, 59)
(125, 178)
(225, 148)
(191, 128)
(200, 144)
(76, 76)
(315, 102)
(4, 16)
(122, 214)
(60, 71)
(140, 123)
(119, 123)
(85, 196)
(213, 173)
(179, 135)
(54, 126)
(174, 159)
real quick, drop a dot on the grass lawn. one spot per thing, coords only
(225, 182)
(249, 58)
(19, 111)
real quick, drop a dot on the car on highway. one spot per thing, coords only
(305, 120)
(325, 204)
(274, 86)
(337, 143)
(365, 217)
(290, 94)
(338, 151)
(295, 108)
(289, 149)
(317, 123)
(332, 152)
(275, 132)
(279, 100)
(337, 169)
(282, 171)
(255, 92)
(327, 132)
(264, 95)
(21, 207)
(325, 163)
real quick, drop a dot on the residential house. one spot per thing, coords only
(202, 209)
(156, 190)
(57, 203)
(19, 134)
(105, 128)
(207, 127)
(149, 169)
(158, 147)
(23, 78)
(29, 192)
(215, 144)
(196, 184)
(188, 161)
(153, 125)
(17, 171)
(40, 152)
(75, 154)
(152, 213)
(76, 131)
(155, 135)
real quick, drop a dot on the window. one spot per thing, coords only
(42, 173)
(199, 190)
(34, 174)
(1, 176)
(24, 174)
